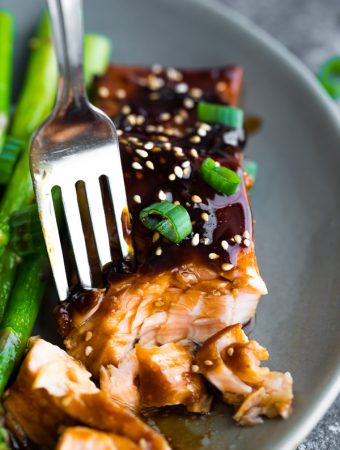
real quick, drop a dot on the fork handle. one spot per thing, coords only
(67, 27)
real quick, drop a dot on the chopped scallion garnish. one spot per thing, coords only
(223, 114)
(221, 178)
(171, 221)
(329, 76)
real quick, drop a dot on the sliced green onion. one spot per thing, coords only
(225, 115)
(250, 167)
(172, 221)
(220, 178)
(8, 157)
(329, 76)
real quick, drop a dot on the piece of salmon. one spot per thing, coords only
(166, 378)
(231, 362)
(82, 438)
(178, 295)
(53, 390)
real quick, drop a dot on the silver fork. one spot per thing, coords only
(77, 142)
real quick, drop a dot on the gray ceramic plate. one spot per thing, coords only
(295, 200)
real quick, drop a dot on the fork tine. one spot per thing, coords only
(96, 207)
(73, 220)
(52, 240)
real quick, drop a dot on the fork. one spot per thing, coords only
(78, 142)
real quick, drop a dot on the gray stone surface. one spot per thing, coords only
(311, 30)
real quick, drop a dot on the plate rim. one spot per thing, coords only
(328, 393)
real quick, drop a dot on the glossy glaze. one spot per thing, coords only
(155, 113)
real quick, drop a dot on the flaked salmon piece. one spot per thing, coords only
(274, 398)
(166, 378)
(53, 390)
(82, 438)
(157, 309)
(231, 363)
(120, 382)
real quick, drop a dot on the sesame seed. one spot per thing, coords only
(178, 171)
(165, 116)
(178, 149)
(172, 177)
(88, 350)
(181, 88)
(126, 109)
(103, 92)
(148, 145)
(195, 139)
(88, 336)
(195, 240)
(142, 153)
(208, 362)
(162, 195)
(155, 83)
(163, 138)
(230, 351)
(133, 139)
(167, 146)
(158, 251)
(224, 245)
(217, 164)
(195, 368)
(176, 202)
(140, 120)
(227, 266)
(150, 128)
(206, 241)
(186, 164)
(221, 86)
(194, 153)
(119, 132)
(137, 198)
(213, 256)
(155, 236)
(186, 172)
(131, 119)
(201, 132)
(150, 165)
(178, 119)
(157, 69)
(196, 199)
(160, 129)
(174, 74)
(238, 239)
(121, 93)
(246, 234)
(188, 103)
(196, 92)
(246, 242)
(205, 216)
(184, 113)
(205, 126)
(136, 166)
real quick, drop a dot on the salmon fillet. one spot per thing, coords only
(179, 293)
(53, 390)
